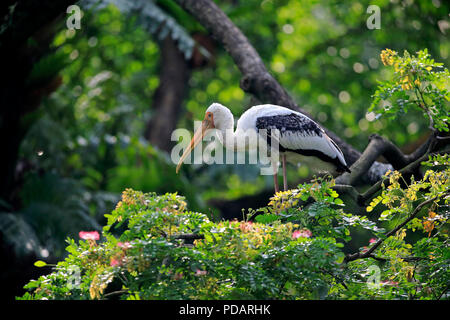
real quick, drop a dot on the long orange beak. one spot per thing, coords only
(207, 123)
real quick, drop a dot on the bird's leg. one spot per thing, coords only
(275, 182)
(275, 176)
(283, 163)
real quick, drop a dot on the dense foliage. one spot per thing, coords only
(232, 260)
(153, 247)
(418, 82)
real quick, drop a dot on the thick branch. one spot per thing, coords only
(375, 148)
(378, 146)
(351, 191)
(256, 79)
(409, 169)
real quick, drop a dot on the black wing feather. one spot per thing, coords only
(290, 122)
(303, 126)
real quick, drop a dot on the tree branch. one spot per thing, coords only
(409, 169)
(188, 236)
(349, 190)
(379, 146)
(369, 253)
(375, 148)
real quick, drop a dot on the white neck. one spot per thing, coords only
(228, 135)
(224, 122)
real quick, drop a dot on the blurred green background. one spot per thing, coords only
(95, 134)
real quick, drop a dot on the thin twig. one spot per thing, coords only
(425, 108)
(188, 236)
(408, 169)
(443, 292)
(341, 281)
(114, 293)
(368, 253)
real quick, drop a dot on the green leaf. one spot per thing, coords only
(40, 264)
(267, 218)
(334, 194)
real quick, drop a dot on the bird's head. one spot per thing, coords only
(222, 116)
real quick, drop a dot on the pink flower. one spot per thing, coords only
(114, 262)
(372, 240)
(124, 245)
(89, 235)
(246, 226)
(304, 233)
(178, 276)
(199, 272)
(389, 283)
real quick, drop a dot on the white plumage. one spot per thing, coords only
(301, 138)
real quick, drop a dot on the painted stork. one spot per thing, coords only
(300, 139)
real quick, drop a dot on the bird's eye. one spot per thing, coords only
(209, 115)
